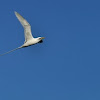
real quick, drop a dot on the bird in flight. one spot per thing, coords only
(29, 39)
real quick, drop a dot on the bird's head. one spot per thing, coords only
(40, 39)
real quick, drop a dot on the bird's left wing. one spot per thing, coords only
(26, 26)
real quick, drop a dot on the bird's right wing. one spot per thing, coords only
(26, 25)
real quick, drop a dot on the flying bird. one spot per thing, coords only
(29, 39)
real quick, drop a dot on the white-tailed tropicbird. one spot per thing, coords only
(29, 39)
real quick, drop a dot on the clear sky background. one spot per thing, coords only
(66, 66)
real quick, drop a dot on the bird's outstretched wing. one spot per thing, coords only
(11, 50)
(26, 25)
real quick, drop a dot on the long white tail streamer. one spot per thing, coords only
(11, 51)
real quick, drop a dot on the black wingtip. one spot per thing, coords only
(40, 41)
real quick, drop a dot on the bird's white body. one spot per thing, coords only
(29, 39)
(31, 42)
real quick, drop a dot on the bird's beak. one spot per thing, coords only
(42, 37)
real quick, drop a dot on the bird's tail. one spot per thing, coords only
(11, 50)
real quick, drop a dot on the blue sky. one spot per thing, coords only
(66, 66)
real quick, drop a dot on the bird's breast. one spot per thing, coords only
(30, 42)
